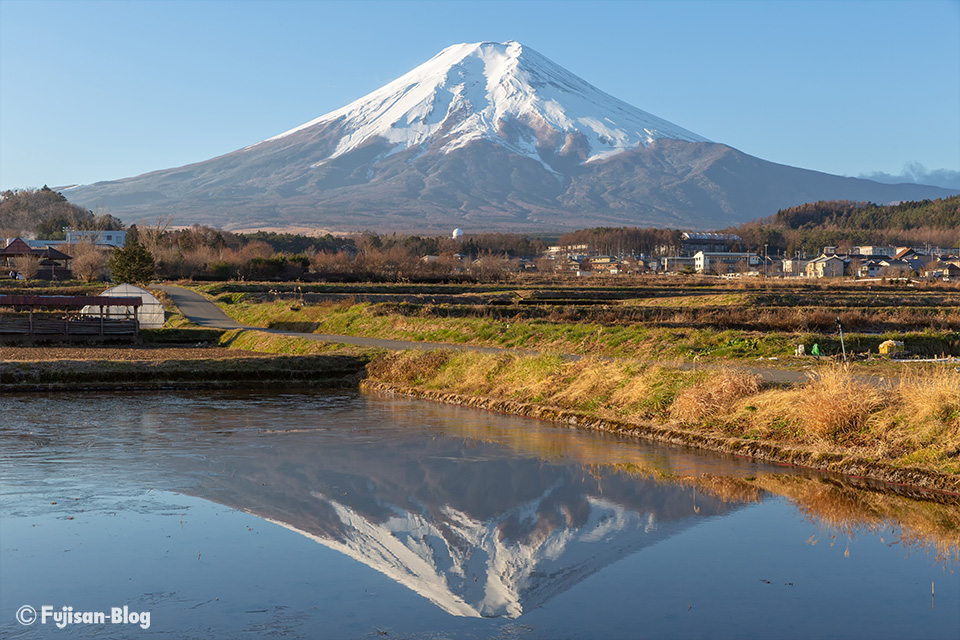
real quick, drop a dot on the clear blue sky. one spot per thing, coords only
(103, 90)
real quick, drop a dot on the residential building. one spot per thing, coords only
(694, 242)
(710, 261)
(96, 236)
(870, 250)
(827, 266)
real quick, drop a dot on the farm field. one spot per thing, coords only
(680, 318)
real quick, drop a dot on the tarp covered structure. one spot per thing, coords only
(150, 313)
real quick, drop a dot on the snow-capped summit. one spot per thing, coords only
(503, 92)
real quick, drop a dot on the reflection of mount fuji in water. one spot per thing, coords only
(464, 524)
(470, 567)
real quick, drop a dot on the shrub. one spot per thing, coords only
(837, 404)
(714, 396)
(413, 367)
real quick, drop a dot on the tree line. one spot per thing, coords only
(808, 228)
(207, 252)
(625, 240)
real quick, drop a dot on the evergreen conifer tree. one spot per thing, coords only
(132, 264)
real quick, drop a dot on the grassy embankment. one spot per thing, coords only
(213, 372)
(836, 416)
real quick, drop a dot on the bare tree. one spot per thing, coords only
(151, 237)
(27, 266)
(89, 261)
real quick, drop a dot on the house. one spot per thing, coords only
(52, 262)
(870, 267)
(794, 266)
(694, 242)
(873, 250)
(901, 267)
(944, 270)
(558, 250)
(827, 266)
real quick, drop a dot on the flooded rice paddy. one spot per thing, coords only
(352, 515)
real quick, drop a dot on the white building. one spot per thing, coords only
(707, 261)
(96, 236)
(873, 250)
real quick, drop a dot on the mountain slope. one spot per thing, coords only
(489, 137)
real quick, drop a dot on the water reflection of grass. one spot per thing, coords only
(913, 422)
(837, 509)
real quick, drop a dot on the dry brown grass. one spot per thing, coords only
(592, 384)
(931, 394)
(713, 397)
(472, 373)
(408, 367)
(923, 422)
(837, 404)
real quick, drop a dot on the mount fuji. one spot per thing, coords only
(486, 136)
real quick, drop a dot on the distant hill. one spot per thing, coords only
(811, 226)
(846, 214)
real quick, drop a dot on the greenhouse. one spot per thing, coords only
(150, 313)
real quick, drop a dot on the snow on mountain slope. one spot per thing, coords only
(484, 91)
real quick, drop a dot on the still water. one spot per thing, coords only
(350, 515)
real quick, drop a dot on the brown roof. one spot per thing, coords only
(20, 248)
(903, 253)
(68, 301)
(17, 248)
(53, 254)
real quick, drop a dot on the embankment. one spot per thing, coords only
(219, 373)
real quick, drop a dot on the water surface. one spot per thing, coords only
(349, 515)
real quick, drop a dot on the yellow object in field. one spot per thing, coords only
(891, 347)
